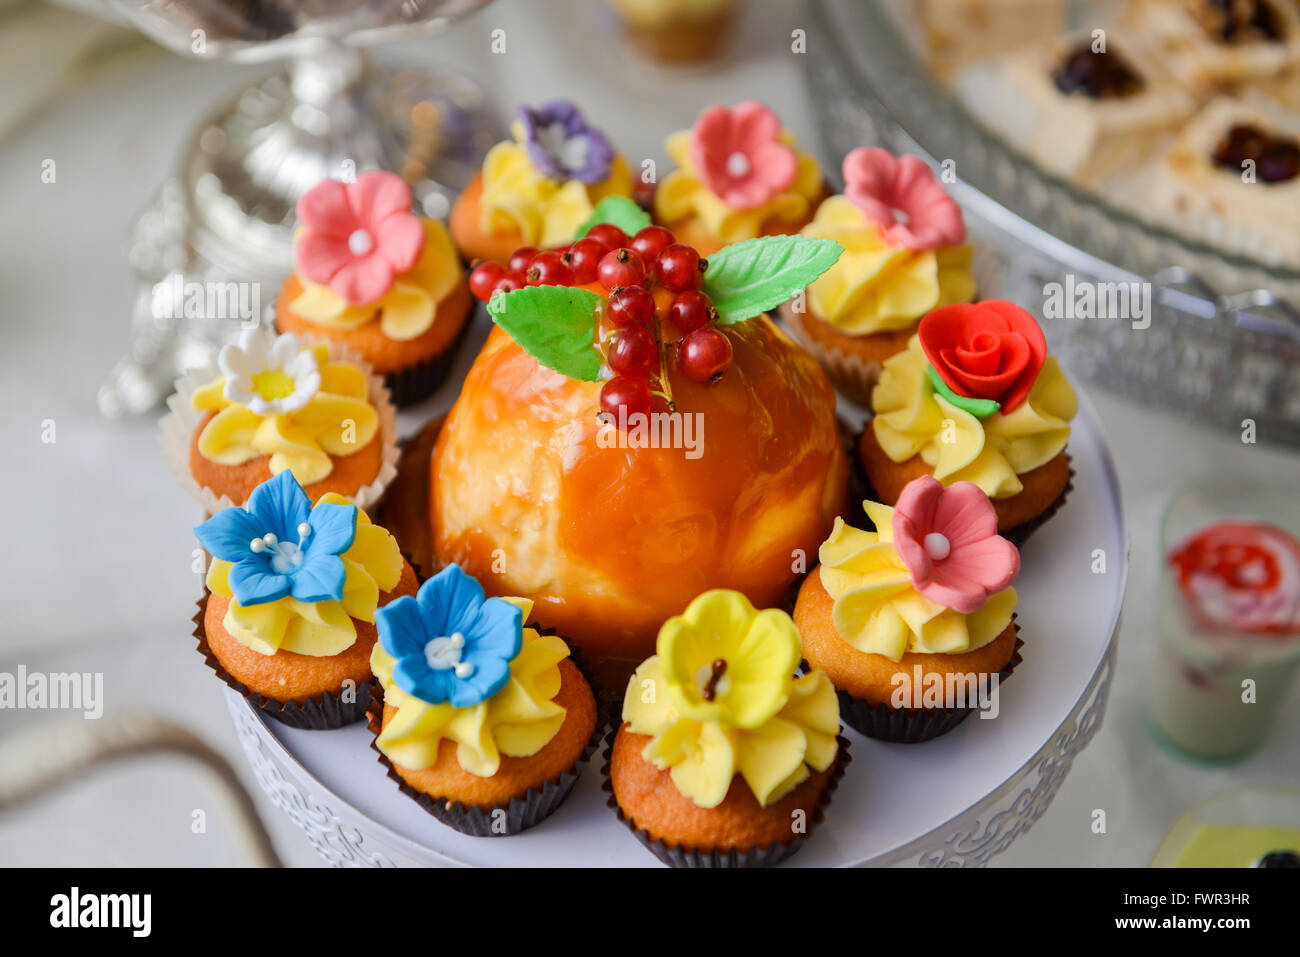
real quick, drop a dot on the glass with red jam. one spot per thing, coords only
(1229, 642)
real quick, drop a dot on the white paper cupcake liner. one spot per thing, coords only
(178, 424)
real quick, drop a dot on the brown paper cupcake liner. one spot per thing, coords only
(913, 725)
(409, 386)
(766, 856)
(324, 712)
(521, 811)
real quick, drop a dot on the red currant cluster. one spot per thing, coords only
(632, 271)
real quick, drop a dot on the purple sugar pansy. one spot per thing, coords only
(562, 146)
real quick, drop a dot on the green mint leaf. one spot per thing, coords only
(553, 324)
(749, 278)
(618, 211)
(980, 408)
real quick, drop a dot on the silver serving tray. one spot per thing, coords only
(1223, 341)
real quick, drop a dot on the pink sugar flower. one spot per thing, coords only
(357, 237)
(739, 155)
(902, 196)
(948, 539)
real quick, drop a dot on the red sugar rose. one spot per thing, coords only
(985, 350)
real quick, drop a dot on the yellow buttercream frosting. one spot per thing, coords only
(912, 419)
(337, 421)
(517, 721)
(683, 195)
(544, 211)
(373, 564)
(408, 309)
(748, 715)
(877, 610)
(876, 286)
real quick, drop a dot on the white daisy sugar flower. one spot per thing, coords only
(269, 376)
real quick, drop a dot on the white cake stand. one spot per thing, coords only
(956, 801)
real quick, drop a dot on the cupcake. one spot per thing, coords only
(615, 453)
(912, 623)
(905, 253)
(724, 757)
(538, 189)
(676, 31)
(275, 404)
(371, 275)
(484, 722)
(739, 175)
(292, 590)
(975, 397)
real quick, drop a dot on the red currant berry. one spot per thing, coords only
(633, 306)
(484, 278)
(549, 269)
(584, 256)
(704, 354)
(679, 267)
(620, 267)
(506, 284)
(625, 393)
(607, 234)
(643, 194)
(520, 259)
(650, 242)
(634, 352)
(691, 310)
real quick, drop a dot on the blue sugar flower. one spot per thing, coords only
(450, 643)
(259, 542)
(562, 146)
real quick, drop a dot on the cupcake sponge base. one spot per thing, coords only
(323, 712)
(517, 814)
(678, 855)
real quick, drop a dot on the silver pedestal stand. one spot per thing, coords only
(220, 231)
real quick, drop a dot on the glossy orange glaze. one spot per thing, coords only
(610, 542)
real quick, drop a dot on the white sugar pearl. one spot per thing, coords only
(937, 546)
(360, 242)
(464, 669)
(738, 165)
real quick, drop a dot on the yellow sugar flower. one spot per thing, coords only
(720, 699)
(702, 757)
(725, 661)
